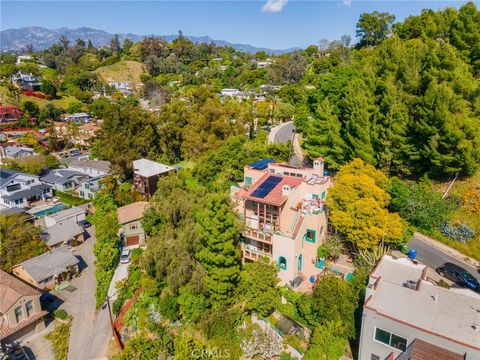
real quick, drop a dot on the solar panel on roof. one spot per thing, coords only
(261, 164)
(267, 186)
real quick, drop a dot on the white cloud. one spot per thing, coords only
(274, 6)
(347, 2)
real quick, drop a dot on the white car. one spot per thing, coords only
(125, 256)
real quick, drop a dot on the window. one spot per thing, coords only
(133, 226)
(324, 194)
(311, 235)
(29, 307)
(390, 339)
(248, 181)
(18, 314)
(82, 194)
(282, 263)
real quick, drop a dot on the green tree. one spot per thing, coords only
(48, 88)
(219, 256)
(373, 27)
(258, 285)
(19, 241)
(326, 343)
(324, 137)
(30, 108)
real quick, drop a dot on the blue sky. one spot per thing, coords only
(270, 23)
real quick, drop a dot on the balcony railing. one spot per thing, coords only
(258, 235)
(251, 253)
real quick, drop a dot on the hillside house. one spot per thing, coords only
(75, 213)
(10, 114)
(78, 118)
(67, 232)
(282, 208)
(21, 314)
(146, 175)
(129, 218)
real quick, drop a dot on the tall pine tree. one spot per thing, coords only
(219, 256)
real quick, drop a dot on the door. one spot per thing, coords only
(133, 240)
(300, 260)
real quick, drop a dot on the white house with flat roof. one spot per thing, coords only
(405, 314)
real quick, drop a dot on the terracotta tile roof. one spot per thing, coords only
(275, 196)
(422, 350)
(11, 290)
(131, 212)
(7, 330)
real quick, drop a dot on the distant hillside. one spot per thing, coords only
(42, 38)
(122, 71)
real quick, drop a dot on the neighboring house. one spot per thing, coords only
(27, 82)
(15, 152)
(49, 269)
(16, 211)
(20, 311)
(63, 179)
(89, 187)
(94, 168)
(124, 87)
(78, 118)
(404, 314)
(67, 232)
(282, 208)
(10, 114)
(129, 218)
(146, 175)
(75, 213)
(18, 189)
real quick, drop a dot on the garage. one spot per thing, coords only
(133, 240)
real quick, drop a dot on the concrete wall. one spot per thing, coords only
(369, 346)
(285, 246)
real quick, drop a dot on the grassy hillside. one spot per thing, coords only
(62, 102)
(468, 190)
(122, 71)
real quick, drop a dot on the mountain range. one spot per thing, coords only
(42, 38)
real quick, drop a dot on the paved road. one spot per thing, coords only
(283, 133)
(90, 332)
(434, 257)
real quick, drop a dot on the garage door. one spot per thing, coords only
(132, 240)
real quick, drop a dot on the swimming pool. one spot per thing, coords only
(51, 210)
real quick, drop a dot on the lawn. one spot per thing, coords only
(468, 190)
(122, 71)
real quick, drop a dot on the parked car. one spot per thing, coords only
(84, 224)
(125, 256)
(459, 276)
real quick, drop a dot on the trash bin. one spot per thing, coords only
(412, 254)
(312, 279)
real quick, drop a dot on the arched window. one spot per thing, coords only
(282, 263)
(18, 314)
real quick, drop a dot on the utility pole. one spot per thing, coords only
(110, 314)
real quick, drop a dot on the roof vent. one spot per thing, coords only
(411, 284)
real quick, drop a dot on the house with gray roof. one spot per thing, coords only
(19, 189)
(49, 269)
(15, 152)
(92, 168)
(79, 118)
(63, 179)
(406, 314)
(67, 232)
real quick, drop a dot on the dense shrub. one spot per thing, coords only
(462, 233)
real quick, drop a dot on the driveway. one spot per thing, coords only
(435, 257)
(90, 332)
